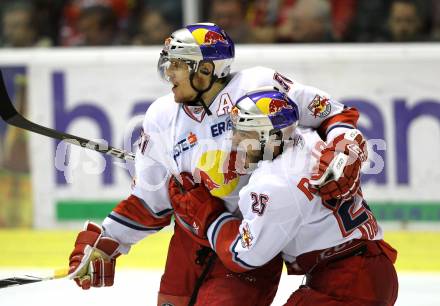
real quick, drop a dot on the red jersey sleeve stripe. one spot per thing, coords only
(349, 116)
(239, 261)
(216, 225)
(136, 211)
(160, 214)
(131, 224)
(224, 238)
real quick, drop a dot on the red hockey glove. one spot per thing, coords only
(338, 172)
(92, 261)
(195, 208)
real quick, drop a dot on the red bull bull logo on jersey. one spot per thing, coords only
(204, 178)
(320, 106)
(230, 173)
(212, 169)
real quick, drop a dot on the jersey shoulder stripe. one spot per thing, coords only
(214, 229)
(134, 211)
(131, 224)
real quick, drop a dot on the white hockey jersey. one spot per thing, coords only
(178, 138)
(281, 215)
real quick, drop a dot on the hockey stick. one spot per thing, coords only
(11, 116)
(28, 279)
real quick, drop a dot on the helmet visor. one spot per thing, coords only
(167, 66)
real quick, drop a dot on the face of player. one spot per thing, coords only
(248, 147)
(178, 74)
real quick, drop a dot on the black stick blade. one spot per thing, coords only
(14, 281)
(7, 110)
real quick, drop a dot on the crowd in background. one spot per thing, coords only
(27, 23)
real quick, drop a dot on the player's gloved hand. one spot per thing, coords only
(337, 175)
(194, 206)
(92, 261)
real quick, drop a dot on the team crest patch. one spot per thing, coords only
(246, 236)
(320, 106)
(197, 109)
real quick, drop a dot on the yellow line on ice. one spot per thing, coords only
(51, 249)
(418, 251)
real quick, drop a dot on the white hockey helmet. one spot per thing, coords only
(196, 43)
(266, 111)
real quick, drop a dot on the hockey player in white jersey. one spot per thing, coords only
(337, 244)
(186, 131)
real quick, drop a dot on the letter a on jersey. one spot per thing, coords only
(225, 105)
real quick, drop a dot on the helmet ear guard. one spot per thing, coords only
(206, 67)
(205, 71)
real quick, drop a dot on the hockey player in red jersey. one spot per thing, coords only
(184, 131)
(336, 243)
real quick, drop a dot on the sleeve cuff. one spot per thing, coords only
(215, 227)
(337, 130)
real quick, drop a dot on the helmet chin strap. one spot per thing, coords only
(198, 100)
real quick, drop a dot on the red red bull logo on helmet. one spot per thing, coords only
(277, 105)
(270, 106)
(320, 106)
(212, 37)
(208, 37)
